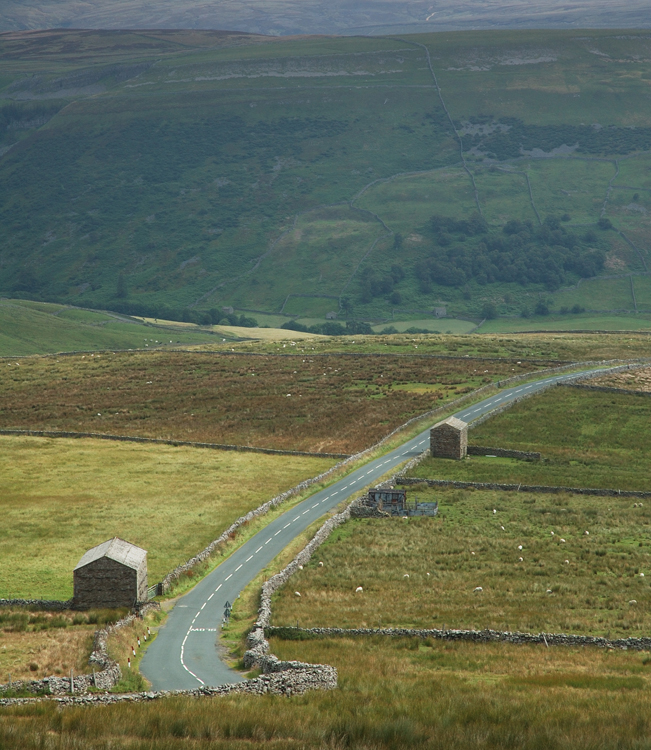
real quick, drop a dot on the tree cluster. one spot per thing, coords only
(467, 250)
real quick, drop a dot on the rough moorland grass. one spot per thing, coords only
(587, 439)
(61, 497)
(35, 644)
(634, 380)
(333, 404)
(391, 695)
(583, 584)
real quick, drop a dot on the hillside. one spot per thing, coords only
(172, 174)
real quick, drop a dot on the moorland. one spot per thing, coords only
(501, 176)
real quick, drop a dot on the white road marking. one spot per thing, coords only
(218, 587)
(238, 567)
(211, 596)
(227, 577)
(290, 523)
(251, 558)
(258, 550)
(306, 511)
(203, 605)
(295, 519)
(268, 540)
(315, 505)
(203, 630)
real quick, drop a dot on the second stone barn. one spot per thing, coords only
(449, 439)
(113, 574)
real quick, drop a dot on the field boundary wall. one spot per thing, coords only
(477, 636)
(482, 450)
(607, 389)
(541, 489)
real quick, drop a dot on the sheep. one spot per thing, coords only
(300, 567)
(567, 562)
(519, 546)
(633, 601)
(472, 553)
(359, 590)
(502, 527)
(406, 575)
(321, 563)
(562, 540)
(586, 533)
(552, 533)
(641, 575)
(549, 591)
(478, 589)
(520, 559)
(297, 593)
(494, 511)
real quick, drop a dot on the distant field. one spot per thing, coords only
(581, 585)
(334, 404)
(581, 322)
(62, 497)
(40, 328)
(635, 380)
(587, 439)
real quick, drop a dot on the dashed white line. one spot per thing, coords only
(268, 540)
(306, 511)
(258, 550)
(278, 532)
(211, 596)
(251, 557)
(238, 567)
(290, 523)
(229, 576)
(218, 587)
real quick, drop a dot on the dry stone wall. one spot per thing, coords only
(481, 450)
(476, 636)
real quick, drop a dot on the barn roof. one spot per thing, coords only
(115, 549)
(458, 424)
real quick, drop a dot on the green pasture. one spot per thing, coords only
(587, 439)
(582, 322)
(61, 497)
(425, 572)
(41, 328)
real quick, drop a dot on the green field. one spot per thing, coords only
(41, 328)
(422, 573)
(587, 439)
(294, 175)
(61, 497)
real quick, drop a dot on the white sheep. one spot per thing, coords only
(567, 562)
(406, 575)
(586, 533)
(359, 590)
(520, 559)
(478, 589)
(633, 601)
(549, 591)
(562, 540)
(641, 575)
(552, 533)
(300, 567)
(321, 564)
(297, 593)
(519, 546)
(494, 511)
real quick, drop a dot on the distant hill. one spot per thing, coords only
(178, 173)
(312, 17)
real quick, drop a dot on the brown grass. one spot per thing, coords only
(635, 380)
(333, 404)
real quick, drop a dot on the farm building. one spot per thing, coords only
(113, 574)
(395, 503)
(449, 439)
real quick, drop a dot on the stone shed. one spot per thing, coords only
(449, 439)
(113, 574)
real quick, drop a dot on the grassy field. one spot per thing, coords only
(392, 694)
(37, 644)
(581, 585)
(265, 173)
(635, 380)
(587, 439)
(40, 328)
(334, 404)
(61, 497)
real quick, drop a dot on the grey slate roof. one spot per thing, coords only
(458, 424)
(115, 549)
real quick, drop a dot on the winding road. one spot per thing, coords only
(184, 654)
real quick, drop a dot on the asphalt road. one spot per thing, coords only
(184, 654)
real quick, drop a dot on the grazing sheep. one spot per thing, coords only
(552, 533)
(300, 567)
(586, 533)
(567, 562)
(472, 553)
(641, 575)
(520, 559)
(549, 591)
(320, 564)
(502, 527)
(297, 593)
(359, 590)
(633, 601)
(519, 546)
(562, 540)
(406, 575)
(478, 589)
(494, 511)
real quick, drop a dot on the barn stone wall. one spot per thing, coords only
(107, 583)
(449, 440)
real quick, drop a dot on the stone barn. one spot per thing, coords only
(449, 439)
(113, 574)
